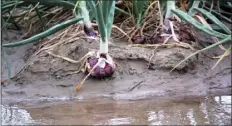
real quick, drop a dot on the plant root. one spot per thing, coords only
(169, 45)
(71, 60)
(79, 85)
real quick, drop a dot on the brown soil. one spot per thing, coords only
(46, 77)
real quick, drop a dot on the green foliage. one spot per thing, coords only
(84, 12)
(139, 7)
(188, 18)
(40, 17)
(212, 18)
(104, 12)
(96, 7)
(170, 5)
(69, 4)
(162, 6)
(184, 16)
(44, 34)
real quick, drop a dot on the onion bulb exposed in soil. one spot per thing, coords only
(98, 65)
(104, 65)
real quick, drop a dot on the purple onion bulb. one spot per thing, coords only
(108, 70)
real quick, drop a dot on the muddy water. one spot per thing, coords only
(213, 110)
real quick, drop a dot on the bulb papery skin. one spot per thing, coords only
(101, 71)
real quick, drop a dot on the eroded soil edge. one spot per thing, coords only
(46, 76)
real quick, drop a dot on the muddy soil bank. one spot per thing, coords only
(45, 77)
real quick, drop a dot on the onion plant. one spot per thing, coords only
(222, 9)
(170, 11)
(7, 7)
(100, 63)
(188, 17)
(139, 7)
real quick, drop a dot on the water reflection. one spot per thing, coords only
(212, 111)
(12, 115)
(203, 108)
(224, 102)
(190, 115)
(222, 111)
(223, 99)
(120, 121)
(156, 118)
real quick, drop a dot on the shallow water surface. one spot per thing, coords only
(216, 110)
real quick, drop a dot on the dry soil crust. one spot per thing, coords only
(45, 76)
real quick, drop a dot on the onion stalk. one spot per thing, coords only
(139, 8)
(168, 24)
(104, 12)
(170, 5)
(84, 12)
